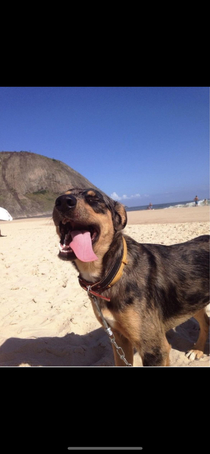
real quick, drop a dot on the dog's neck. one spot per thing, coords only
(90, 271)
(110, 278)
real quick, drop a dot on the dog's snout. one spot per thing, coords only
(65, 202)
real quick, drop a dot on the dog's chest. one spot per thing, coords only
(105, 313)
(109, 317)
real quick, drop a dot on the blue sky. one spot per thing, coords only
(137, 144)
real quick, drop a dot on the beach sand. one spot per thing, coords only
(46, 319)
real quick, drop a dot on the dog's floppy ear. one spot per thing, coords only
(119, 216)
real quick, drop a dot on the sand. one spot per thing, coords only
(46, 319)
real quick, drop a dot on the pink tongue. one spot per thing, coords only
(82, 246)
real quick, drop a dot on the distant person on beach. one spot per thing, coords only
(150, 206)
(205, 202)
(196, 200)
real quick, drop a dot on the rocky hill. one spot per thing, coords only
(29, 183)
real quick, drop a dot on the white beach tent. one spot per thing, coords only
(4, 215)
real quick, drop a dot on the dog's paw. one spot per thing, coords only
(194, 354)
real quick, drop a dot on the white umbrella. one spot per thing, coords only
(4, 215)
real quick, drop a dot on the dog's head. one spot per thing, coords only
(86, 222)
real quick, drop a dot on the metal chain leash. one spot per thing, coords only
(108, 330)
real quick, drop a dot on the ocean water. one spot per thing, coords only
(160, 206)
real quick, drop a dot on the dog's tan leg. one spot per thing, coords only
(120, 340)
(126, 346)
(167, 349)
(157, 354)
(197, 351)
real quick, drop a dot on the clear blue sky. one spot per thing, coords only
(137, 144)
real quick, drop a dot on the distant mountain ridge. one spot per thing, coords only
(30, 183)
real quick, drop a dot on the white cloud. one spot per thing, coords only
(134, 196)
(115, 196)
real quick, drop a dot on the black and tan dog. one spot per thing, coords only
(143, 290)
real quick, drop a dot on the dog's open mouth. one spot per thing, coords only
(77, 241)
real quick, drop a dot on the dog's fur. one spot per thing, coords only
(161, 286)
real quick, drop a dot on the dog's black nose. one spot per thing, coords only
(65, 202)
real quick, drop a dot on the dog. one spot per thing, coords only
(141, 290)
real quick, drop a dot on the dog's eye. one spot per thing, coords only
(92, 199)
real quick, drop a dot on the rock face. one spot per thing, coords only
(30, 183)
